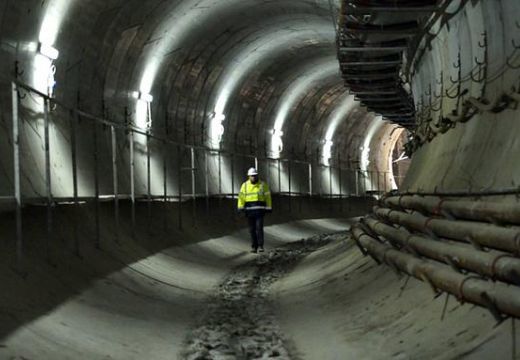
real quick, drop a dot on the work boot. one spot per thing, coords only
(262, 249)
(254, 251)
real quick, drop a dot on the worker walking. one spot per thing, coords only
(255, 200)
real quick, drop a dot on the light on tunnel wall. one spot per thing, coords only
(216, 129)
(143, 109)
(142, 96)
(327, 152)
(276, 142)
(48, 51)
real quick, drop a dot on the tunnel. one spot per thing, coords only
(385, 133)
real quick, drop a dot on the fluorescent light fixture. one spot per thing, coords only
(48, 51)
(142, 96)
(327, 151)
(277, 132)
(219, 117)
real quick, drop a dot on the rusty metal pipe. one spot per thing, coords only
(458, 208)
(496, 296)
(495, 264)
(478, 234)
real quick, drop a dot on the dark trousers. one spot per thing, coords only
(256, 229)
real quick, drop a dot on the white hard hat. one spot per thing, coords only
(252, 172)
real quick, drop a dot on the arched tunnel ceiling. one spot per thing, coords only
(219, 72)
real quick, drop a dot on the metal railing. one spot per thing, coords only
(196, 171)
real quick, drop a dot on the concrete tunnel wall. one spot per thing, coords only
(479, 154)
(107, 55)
(198, 58)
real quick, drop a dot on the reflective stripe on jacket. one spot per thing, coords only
(254, 196)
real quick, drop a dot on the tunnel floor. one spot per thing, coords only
(212, 299)
(240, 322)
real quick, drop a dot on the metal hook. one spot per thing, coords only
(458, 66)
(483, 44)
(509, 61)
(481, 65)
(440, 95)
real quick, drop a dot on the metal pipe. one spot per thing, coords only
(470, 210)
(74, 120)
(148, 179)
(115, 181)
(290, 186)
(165, 185)
(478, 234)
(48, 176)
(233, 177)
(97, 239)
(279, 177)
(496, 296)
(310, 179)
(206, 180)
(330, 182)
(132, 176)
(16, 171)
(219, 173)
(193, 186)
(495, 265)
(179, 179)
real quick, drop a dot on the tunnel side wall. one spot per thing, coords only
(482, 152)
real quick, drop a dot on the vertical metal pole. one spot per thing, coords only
(320, 183)
(300, 196)
(179, 177)
(233, 177)
(74, 120)
(219, 174)
(378, 174)
(165, 185)
(193, 182)
(330, 182)
(206, 180)
(97, 239)
(267, 173)
(256, 163)
(149, 178)
(310, 179)
(340, 179)
(290, 187)
(356, 178)
(348, 184)
(115, 180)
(279, 177)
(48, 179)
(132, 176)
(17, 183)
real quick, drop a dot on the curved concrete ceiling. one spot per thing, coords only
(138, 230)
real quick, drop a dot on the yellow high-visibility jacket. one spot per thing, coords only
(254, 196)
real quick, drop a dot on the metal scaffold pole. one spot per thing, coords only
(48, 179)
(74, 120)
(132, 177)
(149, 179)
(17, 183)
(97, 238)
(115, 180)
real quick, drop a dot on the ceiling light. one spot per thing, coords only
(142, 96)
(48, 51)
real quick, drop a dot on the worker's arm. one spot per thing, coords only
(268, 200)
(241, 198)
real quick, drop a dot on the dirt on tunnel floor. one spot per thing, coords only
(239, 321)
